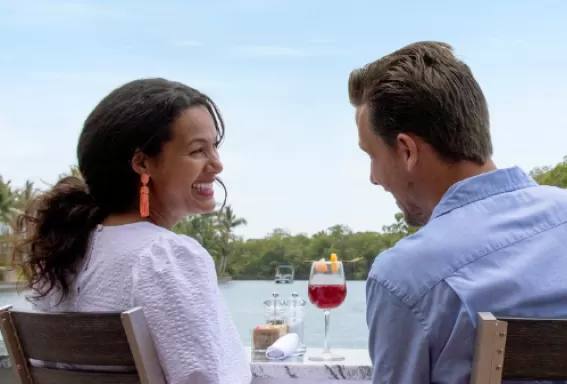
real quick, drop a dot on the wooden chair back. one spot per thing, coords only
(519, 349)
(80, 347)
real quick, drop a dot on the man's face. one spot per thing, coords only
(393, 168)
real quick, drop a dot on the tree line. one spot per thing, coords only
(251, 259)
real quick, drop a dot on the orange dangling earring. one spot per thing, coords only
(145, 197)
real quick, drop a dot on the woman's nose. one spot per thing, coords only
(215, 165)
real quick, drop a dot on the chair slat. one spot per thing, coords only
(57, 376)
(142, 345)
(488, 352)
(535, 349)
(73, 338)
(17, 357)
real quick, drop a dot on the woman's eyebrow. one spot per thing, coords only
(199, 140)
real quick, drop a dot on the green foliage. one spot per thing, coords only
(215, 233)
(400, 227)
(7, 201)
(73, 171)
(14, 201)
(556, 176)
(258, 258)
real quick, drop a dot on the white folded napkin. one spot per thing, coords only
(284, 347)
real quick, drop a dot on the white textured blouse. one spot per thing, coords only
(173, 278)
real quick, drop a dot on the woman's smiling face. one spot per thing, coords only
(182, 175)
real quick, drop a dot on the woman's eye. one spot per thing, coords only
(196, 152)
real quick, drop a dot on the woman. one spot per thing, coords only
(148, 156)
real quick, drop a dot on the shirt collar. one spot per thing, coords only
(482, 186)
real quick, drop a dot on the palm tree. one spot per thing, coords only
(23, 199)
(202, 228)
(400, 227)
(73, 171)
(227, 222)
(25, 195)
(6, 214)
(6, 201)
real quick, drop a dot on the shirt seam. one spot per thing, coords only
(455, 270)
(411, 308)
(494, 192)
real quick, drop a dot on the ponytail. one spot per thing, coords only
(53, 234)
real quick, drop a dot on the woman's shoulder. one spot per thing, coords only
(144, 235)
(160, 247)
(171, 258)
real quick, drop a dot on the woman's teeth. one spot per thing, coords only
(202, 186)
(204, 189)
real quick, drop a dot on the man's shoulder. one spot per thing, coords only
(418, 262)
(413, 266)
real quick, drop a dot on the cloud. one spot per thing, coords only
(188, 43)
(271, 50)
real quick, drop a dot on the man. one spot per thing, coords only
(492, 239)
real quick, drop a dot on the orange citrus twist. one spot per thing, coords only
(334, 264)
(321, 266)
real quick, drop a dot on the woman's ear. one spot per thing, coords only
(140, 164)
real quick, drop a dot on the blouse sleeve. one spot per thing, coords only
(175, 283)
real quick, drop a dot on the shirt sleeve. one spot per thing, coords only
(398, 343)
(175, 283)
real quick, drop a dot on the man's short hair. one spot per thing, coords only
(424, 90)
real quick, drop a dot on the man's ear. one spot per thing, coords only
(407, 148)
(140, 163)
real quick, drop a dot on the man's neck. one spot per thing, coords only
(451, 174)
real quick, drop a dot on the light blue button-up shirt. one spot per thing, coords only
(497, 243)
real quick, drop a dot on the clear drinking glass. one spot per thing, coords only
(327, 290)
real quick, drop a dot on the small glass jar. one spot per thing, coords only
(275, 310)
(274, 327)
(296, 319)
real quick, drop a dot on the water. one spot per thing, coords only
(348, 322)
(244, 298)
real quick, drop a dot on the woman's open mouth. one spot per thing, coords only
(204, 189)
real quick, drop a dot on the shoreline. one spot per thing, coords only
(9, 287)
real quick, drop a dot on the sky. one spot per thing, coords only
(278, 70)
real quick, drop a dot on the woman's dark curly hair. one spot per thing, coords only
(52, 236)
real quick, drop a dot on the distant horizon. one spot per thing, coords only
(4, 227)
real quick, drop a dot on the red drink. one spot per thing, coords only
(327, 296)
